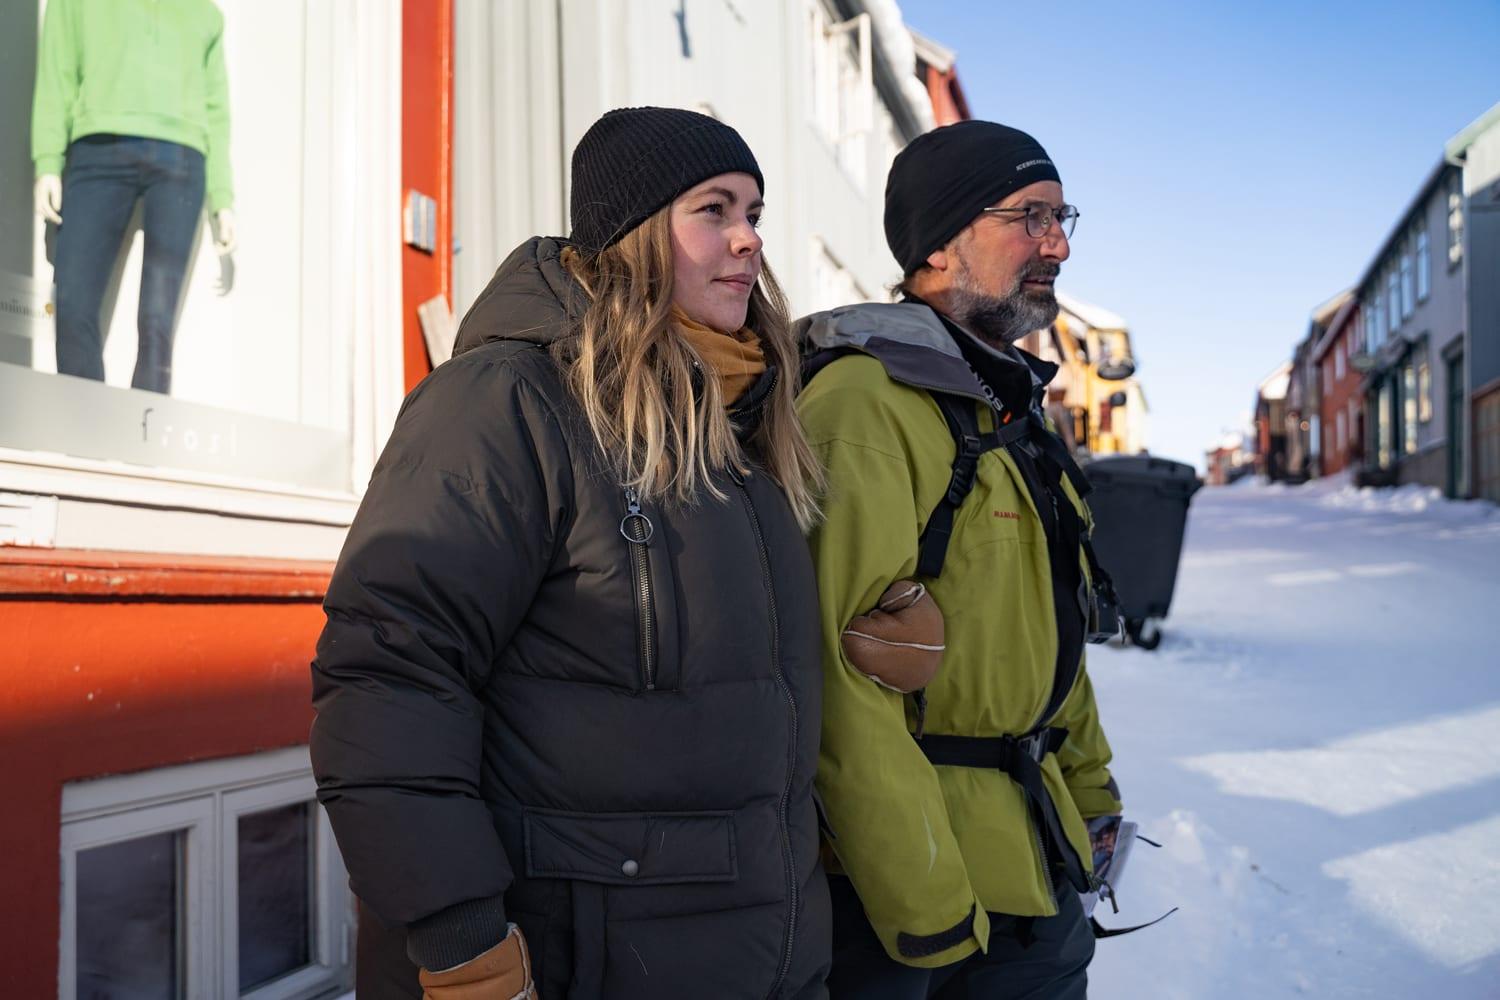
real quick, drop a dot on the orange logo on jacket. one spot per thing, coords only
(1008, 514)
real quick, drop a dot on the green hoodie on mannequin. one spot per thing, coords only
(147, 68)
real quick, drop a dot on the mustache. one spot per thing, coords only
(1041, 271)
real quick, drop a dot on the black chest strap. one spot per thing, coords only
(963, 424)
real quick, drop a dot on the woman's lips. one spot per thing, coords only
(743, 282)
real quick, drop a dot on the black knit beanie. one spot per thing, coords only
(633, 161)
(941, 180)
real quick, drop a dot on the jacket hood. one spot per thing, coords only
(531, 298)
(912, 341)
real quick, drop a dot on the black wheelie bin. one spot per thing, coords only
(1140, 506)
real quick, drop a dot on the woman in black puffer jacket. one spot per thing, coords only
(568, 693)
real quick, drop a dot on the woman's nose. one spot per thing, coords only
(746, 240)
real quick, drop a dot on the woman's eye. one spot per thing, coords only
(714, 208)
(754, 221)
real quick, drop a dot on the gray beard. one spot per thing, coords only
(1001, 320)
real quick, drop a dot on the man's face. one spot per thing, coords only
(999, 276)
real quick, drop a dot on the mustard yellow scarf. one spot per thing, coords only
(735, 358)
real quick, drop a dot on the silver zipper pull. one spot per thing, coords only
(633, 513)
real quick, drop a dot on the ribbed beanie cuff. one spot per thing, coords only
(633, 161)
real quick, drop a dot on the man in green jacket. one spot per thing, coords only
(959, 814)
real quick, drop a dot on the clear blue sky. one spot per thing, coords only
(1235, 164)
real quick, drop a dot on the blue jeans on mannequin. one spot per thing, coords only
(102, 179)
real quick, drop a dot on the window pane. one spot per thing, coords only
(1424, 266)
(129, 930)
(275, 893)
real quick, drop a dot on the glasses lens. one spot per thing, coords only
(1067, 217)
(1038, 218)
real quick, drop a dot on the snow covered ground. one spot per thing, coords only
(1316, 744)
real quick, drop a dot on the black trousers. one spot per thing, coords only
(1036, 958)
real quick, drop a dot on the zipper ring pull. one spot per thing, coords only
(633, 512)
(625, 529)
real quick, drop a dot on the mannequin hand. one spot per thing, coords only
(48, 195)
(224, 235)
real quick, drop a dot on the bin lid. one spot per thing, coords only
(1143, 470)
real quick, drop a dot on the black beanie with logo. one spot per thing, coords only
(941, 180)
(633, 161)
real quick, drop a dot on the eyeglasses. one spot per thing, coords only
(1039, 218)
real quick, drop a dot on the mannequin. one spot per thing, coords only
(131, 105)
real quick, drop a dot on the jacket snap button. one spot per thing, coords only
(631, 869)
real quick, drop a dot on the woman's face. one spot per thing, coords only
(716, 250)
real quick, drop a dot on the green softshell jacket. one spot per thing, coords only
(931, 850)
(147, 68)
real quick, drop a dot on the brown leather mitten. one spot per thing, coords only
(502, 973)
(898, 644)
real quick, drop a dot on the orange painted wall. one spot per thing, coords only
(96, 687)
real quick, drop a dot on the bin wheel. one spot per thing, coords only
(1144, 632)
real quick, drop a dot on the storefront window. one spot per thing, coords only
(167, 242)
(1383, 426)
(1409, 409)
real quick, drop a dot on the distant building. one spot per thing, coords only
(1227, 460)
(1304, 416)
(936, 72)
(1477, 150)
(1100, 399)
(1270, 423)
(1341, 397)
(1411, 309)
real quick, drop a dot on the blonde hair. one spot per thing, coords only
(632, 372)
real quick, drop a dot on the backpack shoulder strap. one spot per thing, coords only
(963, 424)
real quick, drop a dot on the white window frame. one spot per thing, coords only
(1408, 289)
(1455, 223)
(363, 244)
(1393, 299)
(1340, 349)
(194, 819)
(205, 800)
(1424, 389)
(842, 90)
(1424, 264)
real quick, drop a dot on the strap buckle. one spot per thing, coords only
(1033, 745)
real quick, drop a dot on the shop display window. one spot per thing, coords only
(174, 235)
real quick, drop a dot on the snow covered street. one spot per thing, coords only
(1316, 744)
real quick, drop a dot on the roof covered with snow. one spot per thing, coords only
(1095, 316)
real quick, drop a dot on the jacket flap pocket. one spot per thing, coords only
(631, 848)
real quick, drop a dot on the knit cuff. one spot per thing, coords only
(458, 934)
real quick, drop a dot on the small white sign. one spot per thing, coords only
(25, 316)
(439, 328)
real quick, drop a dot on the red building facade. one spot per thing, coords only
(1341, 398)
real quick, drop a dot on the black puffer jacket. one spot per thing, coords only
(513, 700)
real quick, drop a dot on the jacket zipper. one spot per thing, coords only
(1041, 845)
(786, 793)
(637, 529)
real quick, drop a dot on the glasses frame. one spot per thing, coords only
(1066, 217)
